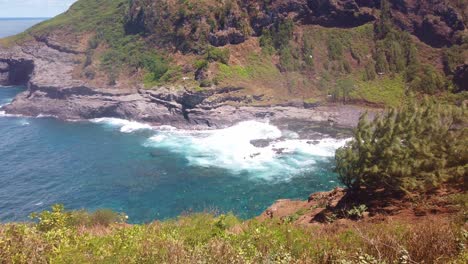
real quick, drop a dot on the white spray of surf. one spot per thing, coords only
(232, 149)
(280, 156)
(125, 126)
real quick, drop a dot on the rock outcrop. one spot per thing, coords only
(461, 77)
(436, 22)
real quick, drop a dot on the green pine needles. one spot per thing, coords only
(415, 147)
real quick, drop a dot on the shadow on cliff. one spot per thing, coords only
(15, 72)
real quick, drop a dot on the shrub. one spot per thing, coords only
(415, 147)
(424, 78)
(266, 42)
(219, 55)
(89, 74)
(105, 217)
(452, 57)
(277, 37)
(335, 49)
(370, 73)
(55, 219)
(357, 211)
(308, 53)
(346, 66)
(58, 218)
(200, 64)
(206, 83)
(342, 90)
(156, 67)
(289, 59)
(381, 64)
(384, 25)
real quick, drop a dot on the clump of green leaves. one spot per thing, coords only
(335, 49)
(58, 218)
(55, 219)
(415, 147)
(424, 78)
(357, 211)
(289, 59)
(156, 66)
(342, 90)
(200, 64)
(218, 54)
(370, 73)
(277, 36)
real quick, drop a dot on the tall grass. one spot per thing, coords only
(204, 238)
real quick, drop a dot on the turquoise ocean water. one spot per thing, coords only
(151, 173)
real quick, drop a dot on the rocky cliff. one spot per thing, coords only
(97, 64)
(436, 22)
(47, 72)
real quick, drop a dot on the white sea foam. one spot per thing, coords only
(125, 126)
(24, 122)
(166, 128)
(4, 114)
(46, 116)
(231, 149)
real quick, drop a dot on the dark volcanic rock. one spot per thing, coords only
(15, 71)
(461, 77)
(224, 37)
(344, 13)
(436, 22)
(261, 143)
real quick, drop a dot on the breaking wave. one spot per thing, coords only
(125, 126)
(279, 155)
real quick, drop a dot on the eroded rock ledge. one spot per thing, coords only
(181, 109)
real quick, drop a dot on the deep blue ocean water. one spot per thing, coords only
(152, 173)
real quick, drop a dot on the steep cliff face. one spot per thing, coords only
(436, 22)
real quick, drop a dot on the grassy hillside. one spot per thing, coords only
(101, 237)
(210, 44)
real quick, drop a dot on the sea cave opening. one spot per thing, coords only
(16, 72)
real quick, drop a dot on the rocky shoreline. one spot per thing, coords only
(163, 108)
(52, 90)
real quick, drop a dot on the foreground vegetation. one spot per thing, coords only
(57, 237)
(416, 147)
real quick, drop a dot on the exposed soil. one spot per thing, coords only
(334, 207)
